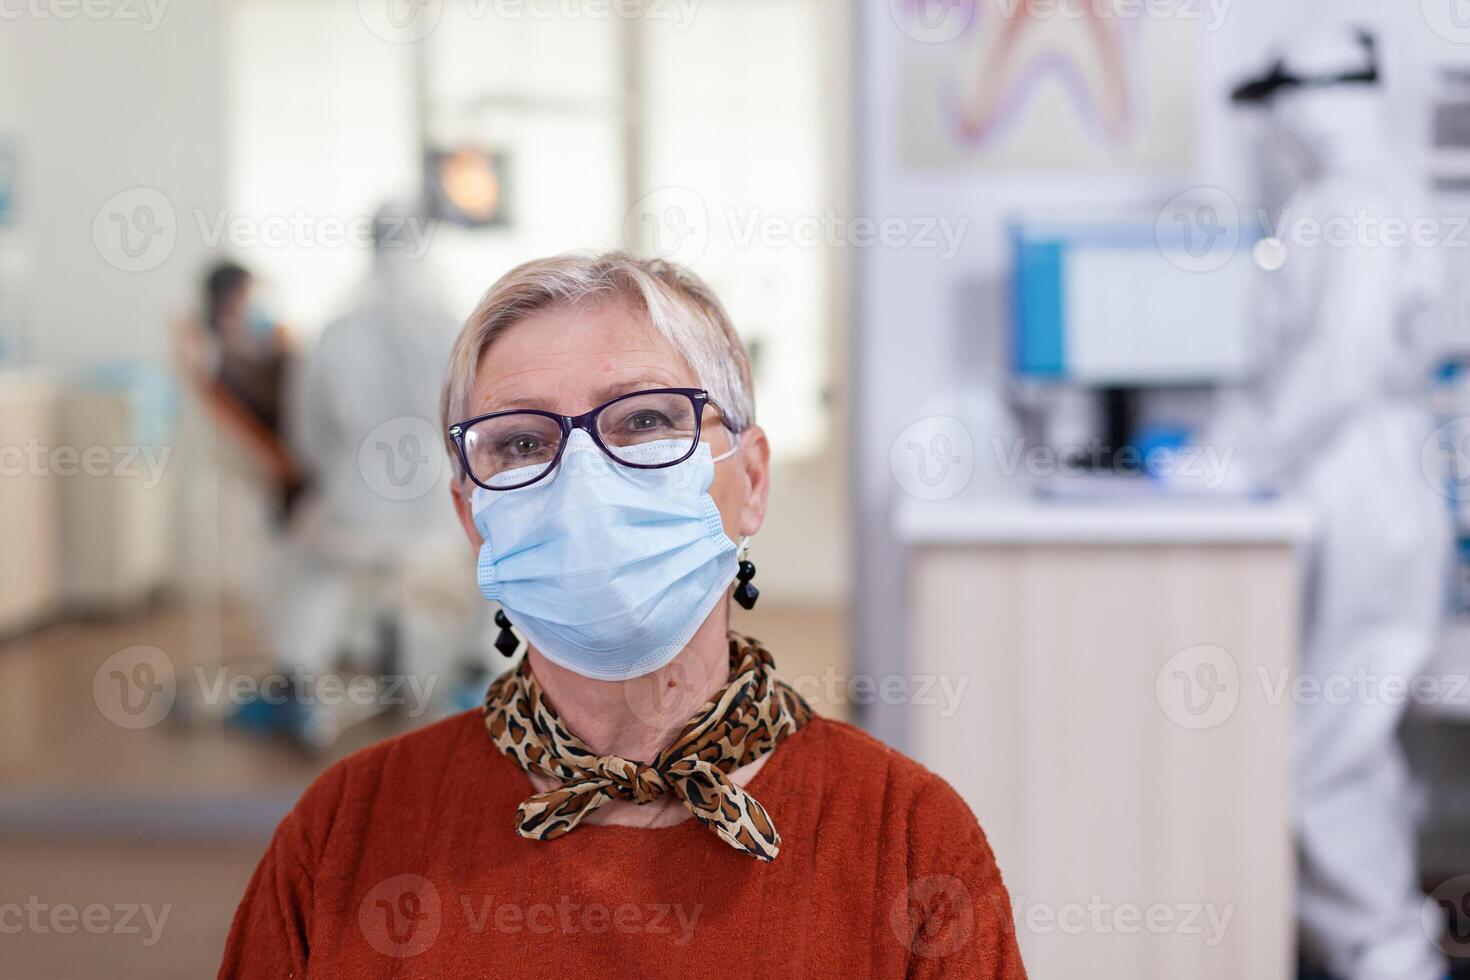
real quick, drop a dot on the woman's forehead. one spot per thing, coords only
(569, 361)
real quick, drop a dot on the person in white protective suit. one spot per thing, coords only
(1341, 418)
(362, 426)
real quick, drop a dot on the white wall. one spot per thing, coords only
(100, 106)
(925, 326)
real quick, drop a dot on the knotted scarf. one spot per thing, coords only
(742, 722)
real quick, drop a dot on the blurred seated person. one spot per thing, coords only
(235, 357)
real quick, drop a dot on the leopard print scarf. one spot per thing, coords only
(744, 721)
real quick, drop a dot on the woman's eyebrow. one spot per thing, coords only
(544, 404)
(505, 404)
(624, 387)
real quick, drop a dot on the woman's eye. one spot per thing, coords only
(642, 421)
(522, 445)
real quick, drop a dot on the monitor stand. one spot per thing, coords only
(1119, 419)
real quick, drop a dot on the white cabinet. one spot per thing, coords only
(30, 569)
(1118, 737)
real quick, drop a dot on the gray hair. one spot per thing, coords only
(677, 303)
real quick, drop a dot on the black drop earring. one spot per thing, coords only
(507, 642)
(745, 593)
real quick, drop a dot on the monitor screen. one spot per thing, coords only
(1123, 305)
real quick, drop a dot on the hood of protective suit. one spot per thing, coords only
(1325, 98)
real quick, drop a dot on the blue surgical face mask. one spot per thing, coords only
(608, 570)
(259, 321)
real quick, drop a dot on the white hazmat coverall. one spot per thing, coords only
(365, 424)
(1342, 419)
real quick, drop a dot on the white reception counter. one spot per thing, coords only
(1121, 736)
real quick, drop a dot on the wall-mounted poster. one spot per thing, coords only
(1049, 85)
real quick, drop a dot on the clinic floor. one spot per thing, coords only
(176, 815)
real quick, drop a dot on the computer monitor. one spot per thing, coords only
(1129, 304)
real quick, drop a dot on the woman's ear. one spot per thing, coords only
(755, 458)
(461, 495)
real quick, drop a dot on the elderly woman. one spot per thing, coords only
(641, 795)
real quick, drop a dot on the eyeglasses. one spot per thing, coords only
(646, 430)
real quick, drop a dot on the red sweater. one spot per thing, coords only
(403, 861)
